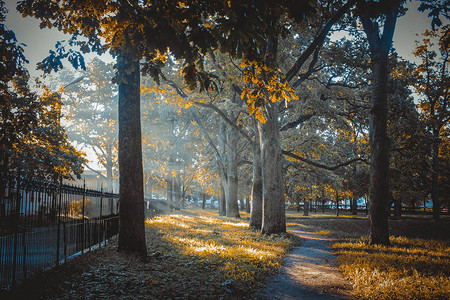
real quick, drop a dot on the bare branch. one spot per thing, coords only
(319, 165)
(301, 119)
(318, 41)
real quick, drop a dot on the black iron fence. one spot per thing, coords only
(42, 224)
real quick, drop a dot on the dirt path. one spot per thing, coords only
(308, 272)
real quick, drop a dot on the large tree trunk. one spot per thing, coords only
(274, 219)
(131, 230)
(435, 179)
(256, 204)
(379, 145)
(379, 141)
(232, 173)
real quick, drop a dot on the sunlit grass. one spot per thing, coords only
(416, 266)
(323, 232)
(229, 245)
(409, 269)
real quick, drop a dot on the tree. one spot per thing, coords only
(91, 112)
(432, 84)
(129, 33)
(380, 46)
(244, 30)
(33, 142)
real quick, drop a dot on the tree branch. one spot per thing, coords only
(294, 124)
(318, 41)
(95, 171)
(319, 165)
(226, 119)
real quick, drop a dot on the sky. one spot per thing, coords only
(40, 41)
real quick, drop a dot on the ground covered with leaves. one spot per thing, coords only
(191, 254)
(415, 266)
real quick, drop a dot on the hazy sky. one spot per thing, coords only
(40, 41)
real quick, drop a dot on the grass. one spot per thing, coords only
(238, 254)
(191, 254)
(408, 269)
(196, 254)
(415, 266)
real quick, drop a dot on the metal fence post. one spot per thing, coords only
(58, 237)
(65, 241)
(82, 226)
(100, 231)
(16, 225)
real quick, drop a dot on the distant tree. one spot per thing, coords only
(91, 112)
(432, 84)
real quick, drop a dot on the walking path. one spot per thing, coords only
(308, 272)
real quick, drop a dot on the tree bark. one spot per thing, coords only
(176, 197)
(323, 200)
(354, 206)
(169, 191)
(379, 144)
(222, 202)
(435, 178)
(274, 219)
(378, 138)
(203, 200)
(397, 208)
(306, 208)
(256, 204)
(337, 203)
(132, 218)
(232, 174)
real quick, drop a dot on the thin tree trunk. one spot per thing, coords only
(203, 200)
(323, 200)
(169, 192)
(306, 208)
(109, 176)
(337, 203)
(397, 208)
(354, 206)
(176, 192)
(435, 180)
(222, 202)
(232, 172)
(256, 205)
(131, 230)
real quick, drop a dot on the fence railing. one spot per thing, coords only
(43, 223)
